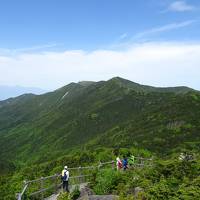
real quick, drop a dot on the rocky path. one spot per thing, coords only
(86, 194)
(55, 196)
(99, 197)
(52, 197)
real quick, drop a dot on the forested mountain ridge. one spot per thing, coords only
(117, 112)
(83, 123)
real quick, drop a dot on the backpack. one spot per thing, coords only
(65, 176)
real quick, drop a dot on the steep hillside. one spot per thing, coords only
(113, 113)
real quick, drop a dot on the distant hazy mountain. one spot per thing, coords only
(14, 91)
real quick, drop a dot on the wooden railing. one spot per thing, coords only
(54, 181)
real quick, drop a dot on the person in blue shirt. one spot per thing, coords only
(125, 163)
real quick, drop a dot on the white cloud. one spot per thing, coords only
(180, 6)
(168, 27)
(159, 64)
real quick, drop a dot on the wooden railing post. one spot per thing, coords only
(139, 162)
(18, 196)
(80, 174)
(113, 164)
(142, 162)
(25, 186)
(42, 187)
(55, 182)
(100, 165)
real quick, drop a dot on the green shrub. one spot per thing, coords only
(106, 181)
(64, 196)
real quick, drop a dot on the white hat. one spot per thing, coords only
(65, 167)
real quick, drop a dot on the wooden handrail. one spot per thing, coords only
(27, 183)
(42, 190)
(19, 195)
(44, 178)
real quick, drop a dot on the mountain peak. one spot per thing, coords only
(117, 78)
(85, 83)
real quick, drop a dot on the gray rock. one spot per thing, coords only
(137, 190)
(103, 197)
(85, 192)
(98, 197)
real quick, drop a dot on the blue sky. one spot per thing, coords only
(36, 33)
(90, 24)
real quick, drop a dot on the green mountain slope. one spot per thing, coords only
(113, 113)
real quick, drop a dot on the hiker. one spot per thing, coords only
(118, 163)
(125, 163)
(65, 179)
(131, 160)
